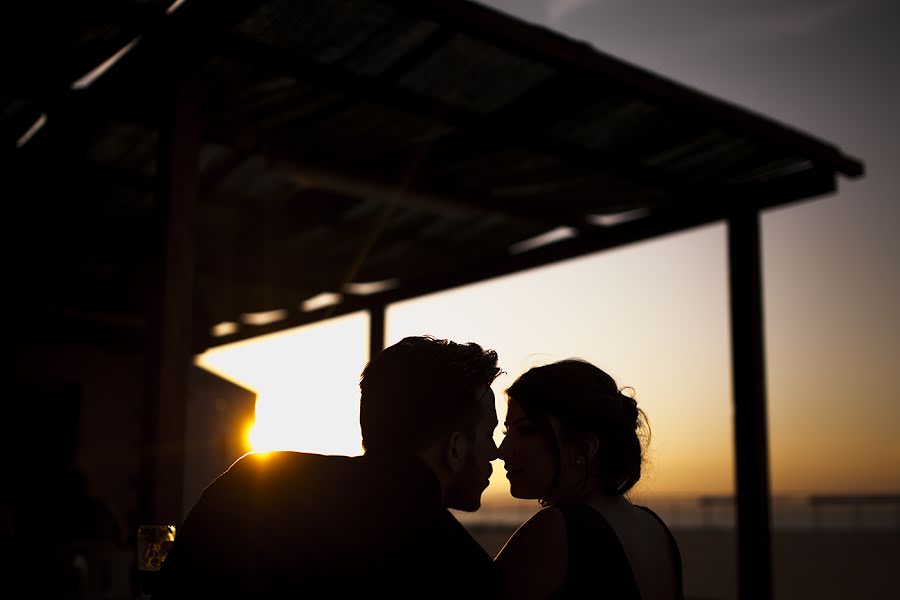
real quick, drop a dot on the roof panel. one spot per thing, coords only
(473, 75)
(322, 29)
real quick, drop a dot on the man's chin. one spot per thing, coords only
(466, 506)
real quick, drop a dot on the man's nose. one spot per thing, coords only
(502, 450)
(492, 450)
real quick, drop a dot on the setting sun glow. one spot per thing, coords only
(666, 336)
(307, 385)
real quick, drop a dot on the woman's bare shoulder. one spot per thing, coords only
(652, 553)
(534, 559)
(546, 526)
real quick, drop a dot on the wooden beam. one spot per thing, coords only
(359, 186)
(665, 221)
(750, 430)
(162, 457)
(376, 329)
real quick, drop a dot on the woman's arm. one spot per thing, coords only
(534, 560)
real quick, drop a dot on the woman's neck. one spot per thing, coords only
(591, 494)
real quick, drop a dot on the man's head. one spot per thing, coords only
(432, 398)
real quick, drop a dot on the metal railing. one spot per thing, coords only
(803, 513)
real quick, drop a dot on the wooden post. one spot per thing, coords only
(750, 434)
(162, 452)
(376, 329)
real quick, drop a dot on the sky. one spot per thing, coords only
(655, 314)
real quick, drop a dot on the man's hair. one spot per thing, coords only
(420, 388)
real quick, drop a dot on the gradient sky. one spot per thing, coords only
(655, 315)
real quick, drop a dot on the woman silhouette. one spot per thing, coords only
(572, 442)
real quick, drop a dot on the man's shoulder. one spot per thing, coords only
(272, 464)
(260, 472)
(282, 457)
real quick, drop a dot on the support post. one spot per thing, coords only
(376, 329)
(750, 430)
(169, 360)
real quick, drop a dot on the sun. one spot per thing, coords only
(308, 419)
(307, 385)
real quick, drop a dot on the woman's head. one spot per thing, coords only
(569, 429)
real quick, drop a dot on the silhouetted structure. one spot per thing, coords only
(857, 504)
(57, 535)
(237, 162)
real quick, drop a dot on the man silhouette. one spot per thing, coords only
(290, 524)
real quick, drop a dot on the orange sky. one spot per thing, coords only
(655, 315)
(666, 336)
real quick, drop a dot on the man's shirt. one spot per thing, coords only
(292, 524)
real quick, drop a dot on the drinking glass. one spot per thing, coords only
(153, 543)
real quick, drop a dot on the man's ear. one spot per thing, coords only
(456, 451)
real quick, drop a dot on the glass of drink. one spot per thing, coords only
(153, 543)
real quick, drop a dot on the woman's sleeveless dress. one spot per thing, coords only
(598, 566)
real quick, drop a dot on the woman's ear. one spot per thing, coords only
(584, 450)
(590, 444)
(456, 451)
